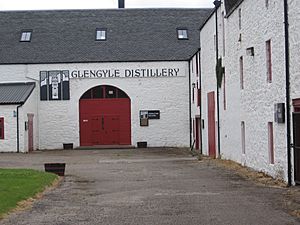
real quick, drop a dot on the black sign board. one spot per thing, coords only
(153, 114)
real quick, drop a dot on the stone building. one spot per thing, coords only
(77, 78)
(251, 101)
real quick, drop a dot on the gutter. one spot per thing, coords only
(288, 99)
(190, 105)
(217, 4)
(18, 129)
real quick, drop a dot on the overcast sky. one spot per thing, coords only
(91, 4)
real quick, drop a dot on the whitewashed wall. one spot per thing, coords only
(58, 121)
(255, 104)
(294, 28)
(9, 143)
(30, 106)
(208, 75)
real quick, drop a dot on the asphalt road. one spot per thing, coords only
(146, 187)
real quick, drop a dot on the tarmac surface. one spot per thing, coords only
(146, 187)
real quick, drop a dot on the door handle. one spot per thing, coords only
(102, 123)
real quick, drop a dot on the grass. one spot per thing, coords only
(20, 184)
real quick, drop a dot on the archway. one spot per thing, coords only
(105, 117)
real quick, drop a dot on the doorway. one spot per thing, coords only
(104, 113)
(211, 124)
(296, 136)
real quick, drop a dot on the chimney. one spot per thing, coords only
(121, 4)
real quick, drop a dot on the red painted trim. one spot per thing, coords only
(197, 133)
(271, 142)
(296, 104)
(242, 72)
(269, 60)
(224, 92)
(211, 124)
(30, 132)
(105, 121)
(1, 128)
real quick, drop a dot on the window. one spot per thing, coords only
(224, 91)
(240, 19)
(182, 34)
(269, 61)
(271, 142)
(1, 128)
(267, 3)
(198, 97)
(26, 36)
(242, 72)
(243, 132)
(101, 35)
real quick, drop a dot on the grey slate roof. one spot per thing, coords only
(231, 5)
(69, 35)
(15, 93)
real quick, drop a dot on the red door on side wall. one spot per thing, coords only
(197, 133)
(30, 132)
(105, 119)
(211, 124)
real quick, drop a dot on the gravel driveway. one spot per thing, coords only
(146, 187)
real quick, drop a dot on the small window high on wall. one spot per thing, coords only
(269, 61)
(1, 128)
(243, 136)
(241, 72)
(271, 142)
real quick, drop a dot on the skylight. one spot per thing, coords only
(26, 36)
(100, 34)
(182, 34)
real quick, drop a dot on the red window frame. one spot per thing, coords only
(1, 128)
(271, 142)
(243, 131)
(198, 97)
(269, 60)
(224, 92)
(242, 72)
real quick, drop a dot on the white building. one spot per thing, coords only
(252, 96)
(96, 77)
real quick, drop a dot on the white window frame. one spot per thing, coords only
(101, 34)
(182, 34)
(26, 36)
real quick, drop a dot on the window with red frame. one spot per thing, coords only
(269, 60)
(198, 97)
(1, 128)
(271, 143)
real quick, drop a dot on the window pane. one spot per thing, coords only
(101, 35)
(26, 36)
(182, 34)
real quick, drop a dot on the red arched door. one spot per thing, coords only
(104, 114)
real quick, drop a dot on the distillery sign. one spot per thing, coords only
(126, 73)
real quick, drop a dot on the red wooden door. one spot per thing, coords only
(111, 130)
(296, 134)
(197, 133)
(211, 124)
(96, 129)
(105, 122)
(30, 132)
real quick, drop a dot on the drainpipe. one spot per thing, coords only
(18, 130)
(217, 4)
(288, 107)
(190, 104)
(200, 107)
